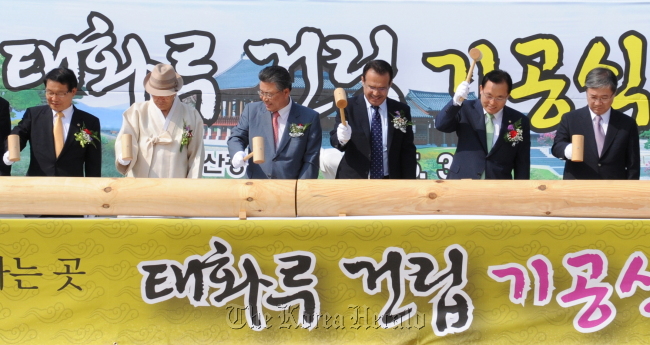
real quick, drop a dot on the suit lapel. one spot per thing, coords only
(75, 126)
(590, 137)
(46, 121)
(612, 129)
(265, 119)
(361, 116)
(389, 123)
(477, 120)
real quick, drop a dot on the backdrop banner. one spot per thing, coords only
(219, 47)
(186, 281)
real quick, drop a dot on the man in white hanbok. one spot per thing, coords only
(167, 134)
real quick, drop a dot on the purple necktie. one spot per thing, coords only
(376, 146)
(599, 134)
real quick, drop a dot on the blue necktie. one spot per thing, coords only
(376, 146)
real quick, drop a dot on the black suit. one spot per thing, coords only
(5, 128)
(471, 158)
(37, 125)
(620, 155)
(402, 163)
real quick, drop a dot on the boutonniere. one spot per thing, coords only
(515, 134)
(85, 136)
(298, 130)
(187, 135)
(400, 121)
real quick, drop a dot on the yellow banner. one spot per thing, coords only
(185, 281)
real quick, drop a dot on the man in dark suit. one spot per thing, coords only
(611, 138)
(493, 139)
(60, 144)
(5, 128)
(378, 139)
(292, 133)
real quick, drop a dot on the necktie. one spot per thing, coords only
(58, 134)
(600, 135)
(276, 115)
(489, 131)
(376, 146)
(489, 134)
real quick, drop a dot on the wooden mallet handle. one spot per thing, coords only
(341, 101)
(577, 147)
(127, 147)
(476, 55)
(258, 151)
(13, 142)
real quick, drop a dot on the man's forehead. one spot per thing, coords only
(264, 86)
(51, 85)
(599, 91)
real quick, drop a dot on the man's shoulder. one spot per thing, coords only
(38, 109)
(573, 115)
(3, 101)
(304, 110)
(393, 103)
(516, 113)
(622, 117)
(85, 114)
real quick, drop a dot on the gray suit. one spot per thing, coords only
(296, 157)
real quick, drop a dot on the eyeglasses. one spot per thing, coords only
(602, 99)
(492, 98)
(377, 89)
(267, 95)
(56, 94)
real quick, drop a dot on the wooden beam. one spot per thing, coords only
(147, 197)
(321, 198)
(330, 198)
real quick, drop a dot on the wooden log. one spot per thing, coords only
(330, 198)
(147, 197)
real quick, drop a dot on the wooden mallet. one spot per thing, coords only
(13, 142)
(258, 151)
(577, 147)
(476, 55)
(341, 101)
(127, 147)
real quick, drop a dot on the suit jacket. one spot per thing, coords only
(296, 157)
(5, 129)
(355, 164)
(74, 160)
(620, 156)
(471, 158)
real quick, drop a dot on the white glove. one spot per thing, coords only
(343, 133)
(5, 158)
(462, 91)
(120, 160)
(237, 161)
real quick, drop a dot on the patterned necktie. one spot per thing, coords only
(58, 134)
(600, 134)
(276, 115)
(376, 146)
(489, 131)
